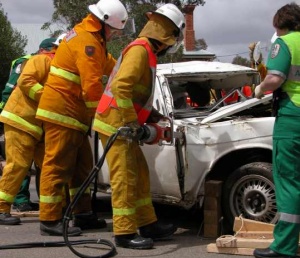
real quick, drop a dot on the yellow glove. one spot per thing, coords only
(258, 93)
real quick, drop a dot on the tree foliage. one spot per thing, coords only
(11, 47)
(241, 61)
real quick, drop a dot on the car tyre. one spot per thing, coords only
(250, 192)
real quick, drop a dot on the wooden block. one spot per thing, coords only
(211, 230)
(251, 225)
(231, 241)
(212, 248)
(255, 234)
(212, 203)
(211, 217)
(213, 188)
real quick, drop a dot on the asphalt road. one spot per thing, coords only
(186, 243)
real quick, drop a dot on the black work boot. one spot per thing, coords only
(55, 228)
(133, 241)
(157, 230)
(7, 219)
(88, 221)
(269, 253)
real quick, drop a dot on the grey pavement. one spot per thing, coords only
(187, 241)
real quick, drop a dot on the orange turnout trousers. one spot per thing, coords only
(20, 148)
(129, 179)
(59, 167)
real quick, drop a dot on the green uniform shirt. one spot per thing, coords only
(14, 75)
(279, 59)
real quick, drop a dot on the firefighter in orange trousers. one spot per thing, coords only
(67, 107)
(127, 101)
(22, 201)
(23, 133)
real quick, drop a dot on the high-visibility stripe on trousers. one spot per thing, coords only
(130, 183)
(68, 160)
(20, 149)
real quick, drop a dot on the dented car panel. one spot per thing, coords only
(204, 139)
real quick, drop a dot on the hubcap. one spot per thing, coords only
(253, 197)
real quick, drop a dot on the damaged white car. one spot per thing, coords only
(211, 140)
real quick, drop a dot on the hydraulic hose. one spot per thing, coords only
(68, 213)
(80, 192)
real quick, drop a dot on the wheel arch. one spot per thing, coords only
(228, 163)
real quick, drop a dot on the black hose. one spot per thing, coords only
(68, 213)
(80, 192)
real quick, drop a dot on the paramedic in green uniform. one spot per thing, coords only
(284, 76)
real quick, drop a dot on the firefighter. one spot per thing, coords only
(23, 133)
(258, 64)
(67, 107)
(284, 79)
(127, 101)
(22, 199)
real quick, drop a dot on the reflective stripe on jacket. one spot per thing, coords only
(292, 83)
(21, 106)
(74, 86)
(141, 104)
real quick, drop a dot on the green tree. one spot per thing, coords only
(241, 61)
(11, 47)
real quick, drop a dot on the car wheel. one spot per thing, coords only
(249, 191)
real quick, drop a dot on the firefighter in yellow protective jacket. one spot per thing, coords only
(67, 107)
(127, 101)
(23, 133)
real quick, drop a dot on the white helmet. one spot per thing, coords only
(112, 12)
(172, 12)
(59, 39)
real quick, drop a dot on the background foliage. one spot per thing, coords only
(12, 45)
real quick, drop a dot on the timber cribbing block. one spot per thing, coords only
(251, 225)
(249, 235)
(212, 208)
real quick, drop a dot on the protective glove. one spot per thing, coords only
(258, 93)
(135, 128)
(155, 116)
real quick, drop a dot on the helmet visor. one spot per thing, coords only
(173, 49)
(128, 30)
